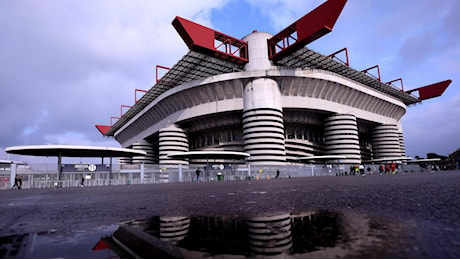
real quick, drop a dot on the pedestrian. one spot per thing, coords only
(357, 169)
(19, 182)
(369, 170)
(82, 181)
(394, 168)
(381, 169)
(387, 168)
(277, 173)
(16, 182)
(197, 173)
(361, 170)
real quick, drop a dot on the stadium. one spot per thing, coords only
(267, 100)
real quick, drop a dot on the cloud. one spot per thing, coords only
(433, 127)
(68, 65)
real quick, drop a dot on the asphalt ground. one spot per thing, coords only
(414, 215)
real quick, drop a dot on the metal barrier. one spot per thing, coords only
(156, 174)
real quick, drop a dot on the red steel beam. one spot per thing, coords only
(121, 109)
(203, 39)
(135, 94)
(100, 245)
(307, 29)
(111, 118)
(103, 128)
(156, 71)
(334, 56)
(366, 71)
(432, 90)
(400, 80)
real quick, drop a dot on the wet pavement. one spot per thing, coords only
(392, 216)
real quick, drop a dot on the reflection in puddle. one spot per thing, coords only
(278, 235)
(56, 244)
(222, 236)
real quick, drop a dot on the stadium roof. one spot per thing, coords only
(307, 58)
(192, 66)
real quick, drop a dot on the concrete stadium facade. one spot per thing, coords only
(278, 110)
(276, 114)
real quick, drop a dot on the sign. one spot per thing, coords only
(92, 167)
(218, 167)
(85, 167)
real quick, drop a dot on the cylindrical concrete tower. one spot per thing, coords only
(385, 141)
(401, 144)
(143, 146)
(263, 127)
(172, 139)
(257, 51)
(341, 137)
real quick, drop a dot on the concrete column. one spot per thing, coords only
(401, 144)
(263, 126)
(173, 139)
(258, 51)
(143, 145)
(341, 137)
(386, 141)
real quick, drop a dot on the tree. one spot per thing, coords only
(434, 156)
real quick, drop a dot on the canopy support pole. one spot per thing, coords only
(13, 168)
(142, 176)
(59, 177)
(110, 171)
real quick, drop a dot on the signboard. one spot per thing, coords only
(219, 167)
(85, 167)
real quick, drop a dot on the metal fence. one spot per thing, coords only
(39, 177)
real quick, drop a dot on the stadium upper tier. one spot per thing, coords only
(196, 65)
(192, 66)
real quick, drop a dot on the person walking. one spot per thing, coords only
(381, 169)
(361, 170)
(16, 183)
(198, 173)
(277, 173)
(357, 169)
(82, 183)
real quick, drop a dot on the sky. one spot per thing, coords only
(66, 66)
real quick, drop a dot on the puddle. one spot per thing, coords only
(281, 234)
(285, 234)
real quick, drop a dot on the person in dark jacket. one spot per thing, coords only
(16, 183)
(197, 173)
